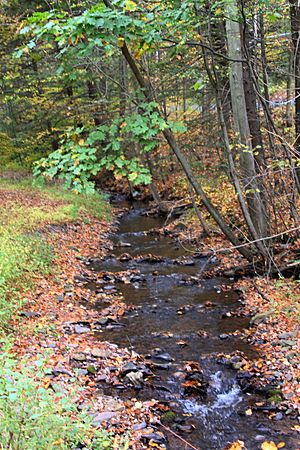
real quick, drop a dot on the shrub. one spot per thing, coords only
(33, 417)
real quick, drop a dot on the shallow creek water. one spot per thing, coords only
(155, 323)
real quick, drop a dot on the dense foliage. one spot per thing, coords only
(138, 90)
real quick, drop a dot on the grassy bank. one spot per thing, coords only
(25, 210)
(33, 416)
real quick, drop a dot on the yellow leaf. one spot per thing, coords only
(269, 445)
(281, 445)
(248, 412)
(237, 445)
(130, 5)
(120, 42)
(81, 142)
(58, 442)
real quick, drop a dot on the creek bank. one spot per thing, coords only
(80, 315)
(162, 323)
(272, 306)
(60, 317)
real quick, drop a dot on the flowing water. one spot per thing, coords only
(171, 306)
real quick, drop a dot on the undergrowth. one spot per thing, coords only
(71, 204)
(33, 416)
(23, 252)
(21, 257)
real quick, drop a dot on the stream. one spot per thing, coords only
(179, 317)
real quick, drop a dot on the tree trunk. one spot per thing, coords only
(214, 80)
(289, 92)
(123, 80)
(170, 138)
(295, 28)
(93, 94)
(251, 97)
(247, 161)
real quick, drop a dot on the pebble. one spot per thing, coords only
(101, 417)
(224, 336)
(29, 314)
(260, 437)
(79, 329)
(100, 353)
(139, 426)
(287, 335)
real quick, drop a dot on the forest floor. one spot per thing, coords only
(49, 307)
(51, 310)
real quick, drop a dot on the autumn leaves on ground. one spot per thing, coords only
(52, 355)
(45, 234)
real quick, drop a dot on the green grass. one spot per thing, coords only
(23, 252)
(72, 204)
(20, 257)
(33, 417)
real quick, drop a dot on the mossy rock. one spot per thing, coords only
(272, 392)
(275, 399)
(261, 317)
(168, 417)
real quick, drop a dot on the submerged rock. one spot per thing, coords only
(139, 426)
(158, 354)
(224, 336)
(123, 244)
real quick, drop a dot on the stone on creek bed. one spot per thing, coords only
(81, 329)
(184, 262)
(77, 327)
(29, 314)
(158, 354)
(102, 417)
(123, 244)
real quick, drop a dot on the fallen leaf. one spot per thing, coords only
(58, 442)
(248, 412)
(269, 445)
(237, 445)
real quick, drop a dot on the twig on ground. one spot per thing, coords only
(178, 437)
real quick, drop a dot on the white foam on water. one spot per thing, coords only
(216, 381)
(192, 407)
(221, 398)
(228, 399)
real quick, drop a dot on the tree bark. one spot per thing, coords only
(295, 28)
(247, 161)
(251, 97)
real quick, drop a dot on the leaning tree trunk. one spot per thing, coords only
(170, 138)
